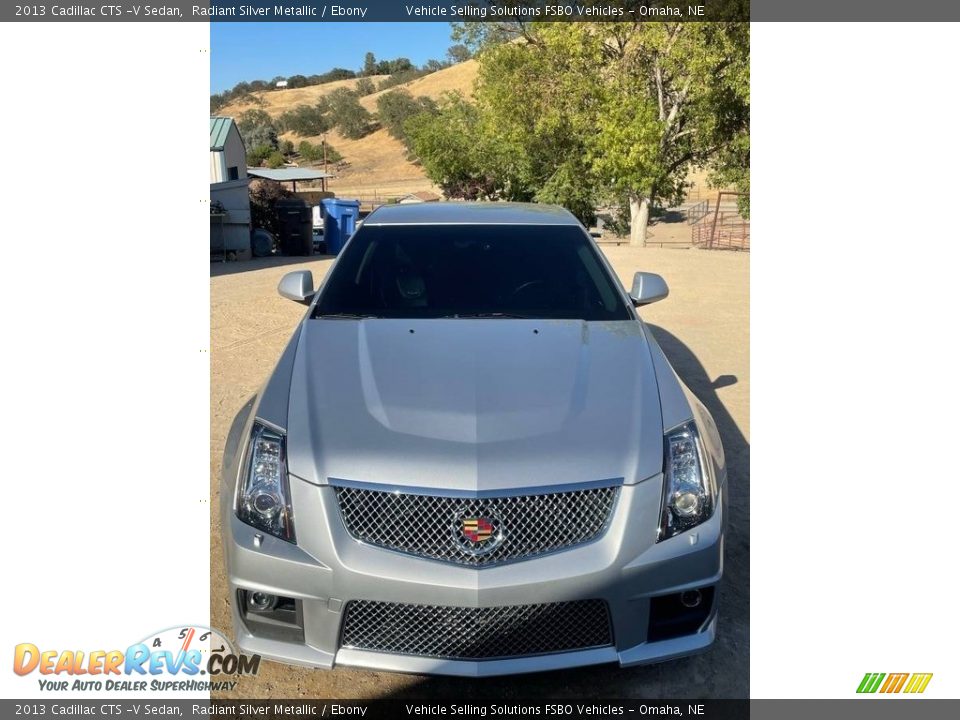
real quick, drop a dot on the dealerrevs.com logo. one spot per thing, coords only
(181, 659)
(912, 683)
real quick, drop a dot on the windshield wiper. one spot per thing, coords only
(507, 315)
(345, 316)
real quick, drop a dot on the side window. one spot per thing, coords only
(233, 173)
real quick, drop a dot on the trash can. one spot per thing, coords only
(261, 242)
(339, 222)
(295, 220)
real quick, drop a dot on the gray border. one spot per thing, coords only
(893, 708)
(395, 10)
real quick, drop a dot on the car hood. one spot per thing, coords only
(473, 404)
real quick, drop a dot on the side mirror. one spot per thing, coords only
(297, 286)
(648, 288)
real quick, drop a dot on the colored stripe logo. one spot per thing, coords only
(913, 683)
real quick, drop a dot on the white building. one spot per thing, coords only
(281, 83)
(229, 192)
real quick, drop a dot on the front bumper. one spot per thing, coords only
(625, 567)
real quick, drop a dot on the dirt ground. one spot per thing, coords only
(704, 330)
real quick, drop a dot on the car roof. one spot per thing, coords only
(470, 213)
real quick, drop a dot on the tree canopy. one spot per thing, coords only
(588, 113)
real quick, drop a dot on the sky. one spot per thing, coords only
(262, 51)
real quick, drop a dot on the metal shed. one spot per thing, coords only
(290, 175)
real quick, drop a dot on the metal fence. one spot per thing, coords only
(726, 232)
(699, 211)
(369, 203)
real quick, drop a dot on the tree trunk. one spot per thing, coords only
(639, 216)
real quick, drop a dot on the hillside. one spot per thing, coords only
(376, 164)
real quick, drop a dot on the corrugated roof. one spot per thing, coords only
(219, 129)
(287, 174)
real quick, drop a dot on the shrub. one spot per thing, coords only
(365, 86)
(305, 120)
(396, 107)
(335, 74)
(458, 53)
(297, 81)
(263, 200)
(275, 159)
(351, 117)
(310, 152)
(257, 128)
(314, 153)
(401, 77)
(256, 156)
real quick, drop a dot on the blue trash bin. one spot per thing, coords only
(339, 222)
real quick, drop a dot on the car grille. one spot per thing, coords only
(475, 531)
(461, 633)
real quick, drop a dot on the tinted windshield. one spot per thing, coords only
(430, 271)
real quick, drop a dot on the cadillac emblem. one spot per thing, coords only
(478, 535)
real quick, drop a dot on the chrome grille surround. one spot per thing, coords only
(525, 524)
(469, 633)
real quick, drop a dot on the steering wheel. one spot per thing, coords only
(522, 287)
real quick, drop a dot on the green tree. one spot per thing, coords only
(397, 65)
(257, 129)
(453, 150)
(365, 86)
(458, 53)
(396, 107)
(257, 155)
(314, 152)
(264, 195)
(310, 152)
(332, 75)
(351, 117)
(305, 120)
(590, 110)
(369, 64)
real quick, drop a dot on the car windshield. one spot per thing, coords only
(498, 271)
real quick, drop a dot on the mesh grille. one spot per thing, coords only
(459, 633)
(475, 531)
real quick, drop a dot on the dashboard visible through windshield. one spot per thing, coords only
(460, 271)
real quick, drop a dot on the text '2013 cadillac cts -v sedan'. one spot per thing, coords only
(473, 459)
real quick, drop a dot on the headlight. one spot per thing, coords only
(689, 491)
(263, 498)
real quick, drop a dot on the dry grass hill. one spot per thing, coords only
(377, 163)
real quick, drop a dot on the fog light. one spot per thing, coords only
(261, 602)
(690, 598)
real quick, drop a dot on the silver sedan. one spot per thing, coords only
(473, 459)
